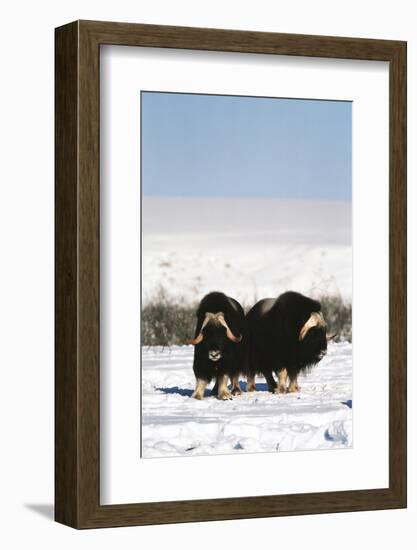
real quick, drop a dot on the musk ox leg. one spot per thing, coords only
(223, 392)
(250, 384)
(235, 385)
(199, 388)
(282, 381)
(293, 387)
(270, 381)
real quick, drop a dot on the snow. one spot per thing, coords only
(174, 424)
(247, 248)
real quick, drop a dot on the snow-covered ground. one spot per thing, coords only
(247, 248)
(173, 424)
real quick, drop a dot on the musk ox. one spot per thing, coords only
(287, 335)
(220, 343)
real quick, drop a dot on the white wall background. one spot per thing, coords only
(26, 275)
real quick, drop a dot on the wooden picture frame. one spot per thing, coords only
(77, 359)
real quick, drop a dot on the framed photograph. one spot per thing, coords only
(230, 274)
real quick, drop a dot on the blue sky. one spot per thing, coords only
(230, 146)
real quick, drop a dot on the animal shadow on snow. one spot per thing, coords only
(182, 391)
(207, 393)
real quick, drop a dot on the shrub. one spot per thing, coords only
(338, 316)
(168, 321)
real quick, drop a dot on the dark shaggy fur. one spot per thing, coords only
(274, 326)
(233, 355)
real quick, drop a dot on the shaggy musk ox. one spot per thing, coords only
(220, 342)
(287, 335)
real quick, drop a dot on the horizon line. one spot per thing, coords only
(247, 197)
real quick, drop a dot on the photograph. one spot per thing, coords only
(246, 274)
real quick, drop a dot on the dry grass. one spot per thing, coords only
(167, 322)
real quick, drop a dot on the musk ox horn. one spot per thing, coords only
(199, 337)
(229, 333)
(316, 319)
(331, 336)
(196, 340)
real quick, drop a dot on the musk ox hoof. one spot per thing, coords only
(197, 395)
(280, 390)
(224, 396)
(294, 389)
(236, 391)
(250, 387)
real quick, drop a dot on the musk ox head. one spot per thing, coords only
(313, 339)
(215, 335)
